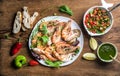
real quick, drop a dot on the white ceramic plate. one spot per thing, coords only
(62, 19)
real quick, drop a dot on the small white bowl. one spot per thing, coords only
(98, 34)
(111, 58)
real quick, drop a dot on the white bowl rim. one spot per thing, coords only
(96, 34)
(113, 57)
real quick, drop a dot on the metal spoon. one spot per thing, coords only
(114, 59)
(114, 7)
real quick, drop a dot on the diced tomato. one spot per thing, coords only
(88, 15)
(86, 18)
(95, 23)
(92, 23)
(86, 21)
(86, 25)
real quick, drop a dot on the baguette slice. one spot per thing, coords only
(17, 23)
(32, 19)
(23, 28)
(26, 17)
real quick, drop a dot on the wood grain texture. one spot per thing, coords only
(80, 67)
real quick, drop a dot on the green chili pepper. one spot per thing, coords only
(20, 60)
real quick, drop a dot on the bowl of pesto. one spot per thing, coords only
(107, 52)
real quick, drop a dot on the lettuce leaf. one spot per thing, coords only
(45, 39)
(55, 64)
(44, 29)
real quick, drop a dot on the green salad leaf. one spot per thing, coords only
(45, 39)
(44, 29)
(55, 64)
(65, 9)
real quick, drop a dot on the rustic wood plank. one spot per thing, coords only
(80, 67)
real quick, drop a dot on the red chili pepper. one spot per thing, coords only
(16, 48)
(33, 63)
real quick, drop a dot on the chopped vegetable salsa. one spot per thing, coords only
(97, 20)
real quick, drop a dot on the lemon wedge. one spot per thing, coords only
(93, 43)
(89, 56)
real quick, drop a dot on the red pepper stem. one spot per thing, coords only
(18, 39)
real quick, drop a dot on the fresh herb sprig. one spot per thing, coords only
(66, 9)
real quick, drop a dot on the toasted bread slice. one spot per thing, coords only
(26, 17)
(17, 22)
(32, 19)
(24, 28)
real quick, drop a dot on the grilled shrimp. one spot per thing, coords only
(51, 30)
(46, 53)
(60, 46)
(57, 55)
(41, 47)
(49, 41)
(57, 35)
(50, 57)
(37, 51)
(53, 23)
(49, 49)
(75, 33)
(64, 57)
(64, 48)
(51, 26)
(66, 32)
(43, 57)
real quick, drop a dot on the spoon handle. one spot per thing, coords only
(114, 7)
(115, 59)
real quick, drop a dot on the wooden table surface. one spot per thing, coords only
(80, 67)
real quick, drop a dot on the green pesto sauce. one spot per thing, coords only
(106, 50)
